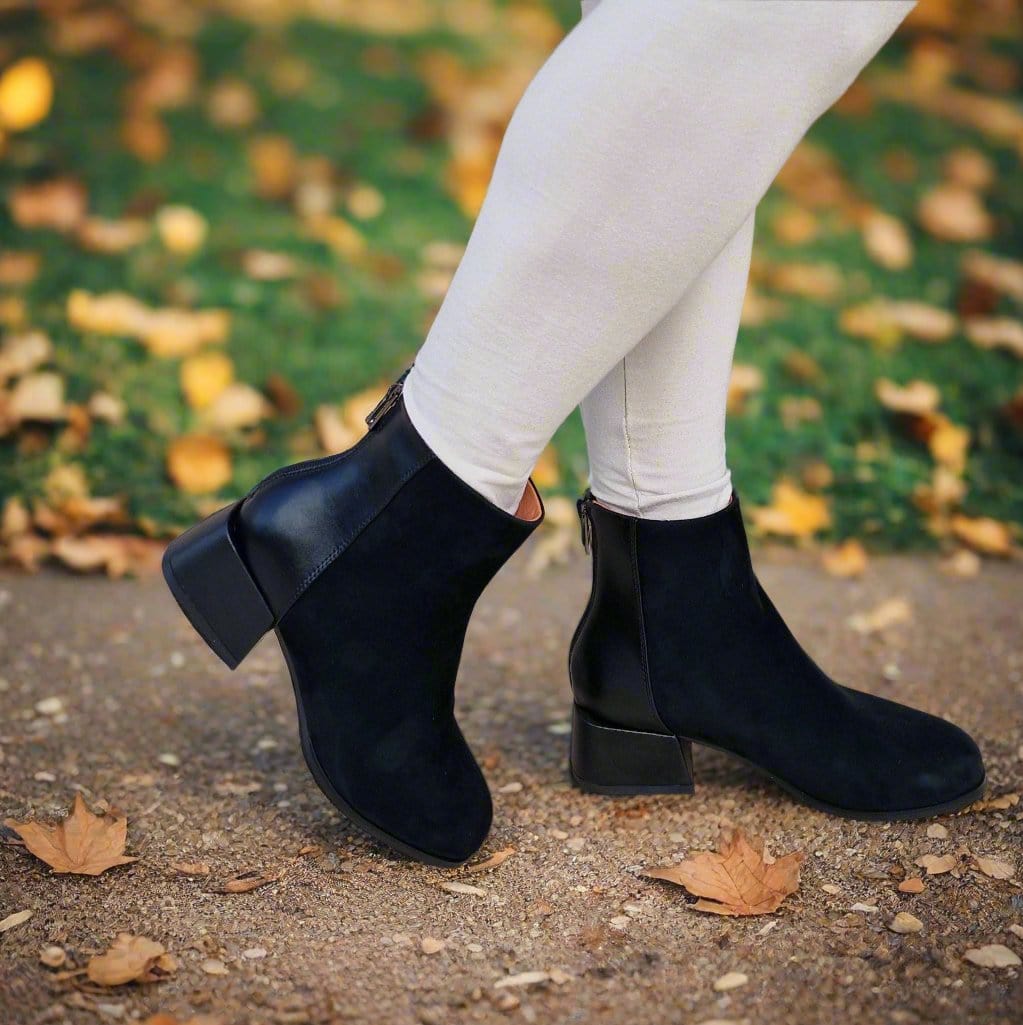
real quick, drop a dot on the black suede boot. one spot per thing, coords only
(680, 644)
(368, 564)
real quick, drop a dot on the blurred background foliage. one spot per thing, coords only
(225, 226)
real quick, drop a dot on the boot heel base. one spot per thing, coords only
(213, 587)
(610, 760)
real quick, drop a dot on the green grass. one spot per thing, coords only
(365, 124)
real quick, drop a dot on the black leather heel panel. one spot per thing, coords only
(724, 668)
(374, 646)
(300, 519)
(607, 660)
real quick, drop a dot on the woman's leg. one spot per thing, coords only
(637, 153)
(655, 424)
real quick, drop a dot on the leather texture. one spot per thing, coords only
(607, 657)
(293, 524)
(724, 669)
(372, 562)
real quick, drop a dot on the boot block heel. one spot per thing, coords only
(610, 760)
(213, 587)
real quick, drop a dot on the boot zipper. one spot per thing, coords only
(387, 403)
(583, 505)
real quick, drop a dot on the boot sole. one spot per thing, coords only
(619, 757)
(200, 567)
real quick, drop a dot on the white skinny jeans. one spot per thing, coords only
(608, 263)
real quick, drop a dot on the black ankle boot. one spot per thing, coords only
(680, 644)
(368, 565)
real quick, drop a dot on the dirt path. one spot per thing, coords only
(206, 764)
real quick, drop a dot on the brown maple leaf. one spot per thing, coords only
(131, 959)
(83, 843)
(736, 880)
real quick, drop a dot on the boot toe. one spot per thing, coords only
(951, 767)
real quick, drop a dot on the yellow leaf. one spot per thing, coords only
(916, 399)
(59, 204)
(181, 229)
(891, 612)
(738, 880)
(792, 512)
(949, 444)
(953, 213)
(744, 381)
(204, 376)
(237, 406)
(983, 534)
(848, 559)
(199, 463)
(26, 94)
(83, 844)
(996, 333)
(546, 473)
(887, 241)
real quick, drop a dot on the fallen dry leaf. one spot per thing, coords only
(83, 844)
(191, 868)
(15, 919)
(1000, 803)
(454, 886)
(916, 399)
(59, 204)
(245, 882)
(849, 559)
(983, 534)
(237, 406)
(131, 959)
(887, 241)
(495, 860)
(199, 463)
(994, 868)
(745, 380)
(992, 955)
(204, 376)
(996, 333)
(889, 613)
(997, 272)
(182, 230)
(101, 235)
(937, 864)
(968, 167)
(38, 396)
(954, 213)
(792, 512)
(737, 880)
(912, 885)
(26, 94)
(114, 554)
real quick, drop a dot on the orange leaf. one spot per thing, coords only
(83, 843)
(737, 880)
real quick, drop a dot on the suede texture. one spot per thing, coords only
(374, 646)
(724, 669)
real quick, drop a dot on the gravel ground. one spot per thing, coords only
(206, 765)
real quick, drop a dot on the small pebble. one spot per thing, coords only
(905, 923)
(510, 788)
(167, 758)
(431, 945)
(214, 966)
(254, 953)
(730, 980)
(45, 777)
(50, 706)
(936, 831)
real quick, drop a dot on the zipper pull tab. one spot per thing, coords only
(386, 404)
(586, 521)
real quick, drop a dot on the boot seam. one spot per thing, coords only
(644, 657)
(350, 537)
